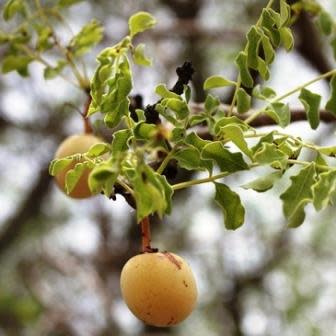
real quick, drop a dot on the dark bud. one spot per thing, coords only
(136, 103)
(151, 115)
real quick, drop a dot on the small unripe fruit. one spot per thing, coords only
(159, 288)
(74, 144)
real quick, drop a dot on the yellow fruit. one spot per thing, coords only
(159, 288)
(79, 143)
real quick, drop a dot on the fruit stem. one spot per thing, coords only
(146, 235)
(87, 125)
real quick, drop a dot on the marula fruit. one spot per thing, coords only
(159, 288)
(79, 143)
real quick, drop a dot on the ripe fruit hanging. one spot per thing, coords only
(159, 288)
(79, 143)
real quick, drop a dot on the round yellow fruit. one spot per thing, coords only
(79, 143)
(159, 288)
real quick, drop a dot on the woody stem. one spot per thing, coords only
(146, 235)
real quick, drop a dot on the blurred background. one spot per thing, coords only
(60, 259)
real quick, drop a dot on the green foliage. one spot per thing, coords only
(326, 22)
(263, 183)
(73, 175)
(21, 307)
(17, 63)
(229, 201)
(245, 76)
(151, 191)
(324, 189)
(226, 160)
(298, 195)
(217, 82)
(13, 7)
(279, 112)
(243, 101)
(86, 39)
(67, 3)
(140, 22)
(53, 72)
(218, 136)
(139, 56)
(311, 102)
(331, 104)
(57, 165)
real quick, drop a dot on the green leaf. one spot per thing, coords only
(103, 178)
(140, 114)
(243, 101)
(198, 119)
(112, 118)
(217, 82)
(298, 195)
(224, 121)
(168, 192)
(73, 175)
(333, 46)
(288, 146)
(150, 193)
(326, 22)
(140, 22)
(180, 107)
(263, 93)
(253, 42)
(229, 201)
(319, 160)
(44, 34)
(144, 131)
(268, 25)
(234, 133)
(211, 104)
(139, 56)
(90, 35)
(190, 158)
(280, 113)
(323, 189)
(178, 134)
(110, 89)
(50, 73)
(226, 160)
(331, 104)
(266, 139)
(285, 13)
(263, 183)
(329, 151)
(4, 37)
(287, 38)
(269, 153)
(58, 165)
(98, 149)
(67, 3)
(168, 114)
(13, 7)
(120, 142)
(311, 102)
(163, 92)
(245, 76)
(263, 69)
(268, 49)
(194, 140)
(17, 63)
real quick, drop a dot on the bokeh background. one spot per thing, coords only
(60, 259)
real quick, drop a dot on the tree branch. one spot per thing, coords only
(297, 114)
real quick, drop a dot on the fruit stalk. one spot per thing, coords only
(146, 235)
